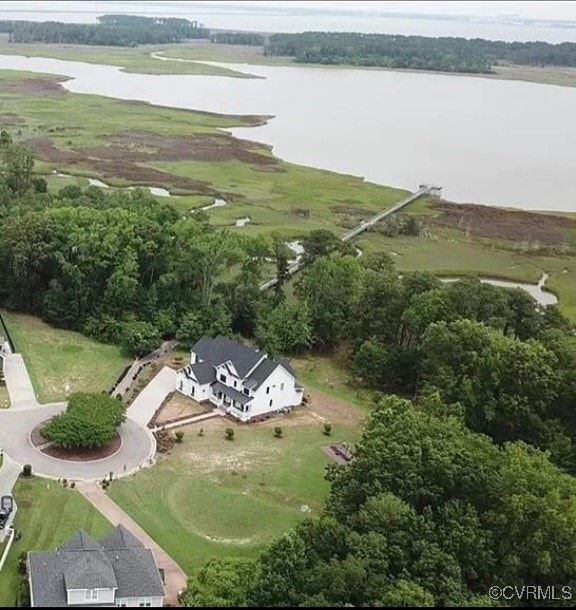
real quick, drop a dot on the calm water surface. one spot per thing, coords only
(485, 141)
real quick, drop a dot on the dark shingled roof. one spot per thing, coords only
(81, 541)
(221, 349)
(121, 538)
(204, 372)
(89, 570)
(265, 369)
(120, 561)
(231, 393)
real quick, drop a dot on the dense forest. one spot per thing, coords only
(417, 52)
(241, 38)
(111, 30)
(462, 480)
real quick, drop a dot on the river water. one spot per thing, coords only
(375, 17)
(485, 141)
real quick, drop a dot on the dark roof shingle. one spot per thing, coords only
(204, 372)
(120, 561)
(231, 393)
(221, 349)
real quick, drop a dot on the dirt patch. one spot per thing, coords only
(484, 221)
(33, 86)
(340, 453)
(333, 410)
(111, 165)
(177, 406)
(126, 155)
(149, 146)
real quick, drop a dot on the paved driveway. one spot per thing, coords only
(174, 575)
(152, 396)
(18, 383)
(15, 426)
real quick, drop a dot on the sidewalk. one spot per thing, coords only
(174, 576)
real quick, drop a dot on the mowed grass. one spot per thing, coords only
(60, 360)
(230, 498)
(48, 514)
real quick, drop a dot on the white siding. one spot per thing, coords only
(190, 388)
(287, 397)
(77, 597)
(134, 602)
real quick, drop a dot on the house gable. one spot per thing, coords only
(84, 572)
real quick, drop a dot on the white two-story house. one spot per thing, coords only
(242, 381)
(117, 571)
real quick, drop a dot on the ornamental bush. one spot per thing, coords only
(89, 422)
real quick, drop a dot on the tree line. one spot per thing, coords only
(461, 480)
(446, 54)
(240, 38)
(111, 30)
(428, 514)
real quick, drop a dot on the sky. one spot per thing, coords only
(556, 10)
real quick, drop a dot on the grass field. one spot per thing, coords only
(60, 360)
(229, 498)
(47, 515)
(140, 60)
(137, 59)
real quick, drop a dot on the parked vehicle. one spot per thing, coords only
(6, 507)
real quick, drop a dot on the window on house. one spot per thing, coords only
(268, 390)
(181, 385)
(282, 386)
(270, 403)
(90, 594)
(192, 390)
(246, 391)
(234, 382)
(223, 378)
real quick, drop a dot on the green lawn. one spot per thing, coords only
(47, 516)
(58, 359)
(229, 498)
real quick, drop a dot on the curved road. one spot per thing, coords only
(137, 450)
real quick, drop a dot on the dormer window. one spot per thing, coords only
(223, 378)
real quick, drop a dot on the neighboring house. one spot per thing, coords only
(117, 571)
(242, 381)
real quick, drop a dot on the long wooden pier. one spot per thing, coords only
(425, 189)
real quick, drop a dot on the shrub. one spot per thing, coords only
(21, 566)
(278, 431)
(64, 483)
(72, 485)
(201, 432)
(229, 432)
(179, 436)
(327, 429)
(90, 420)
(27, 470)
(23, 600)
